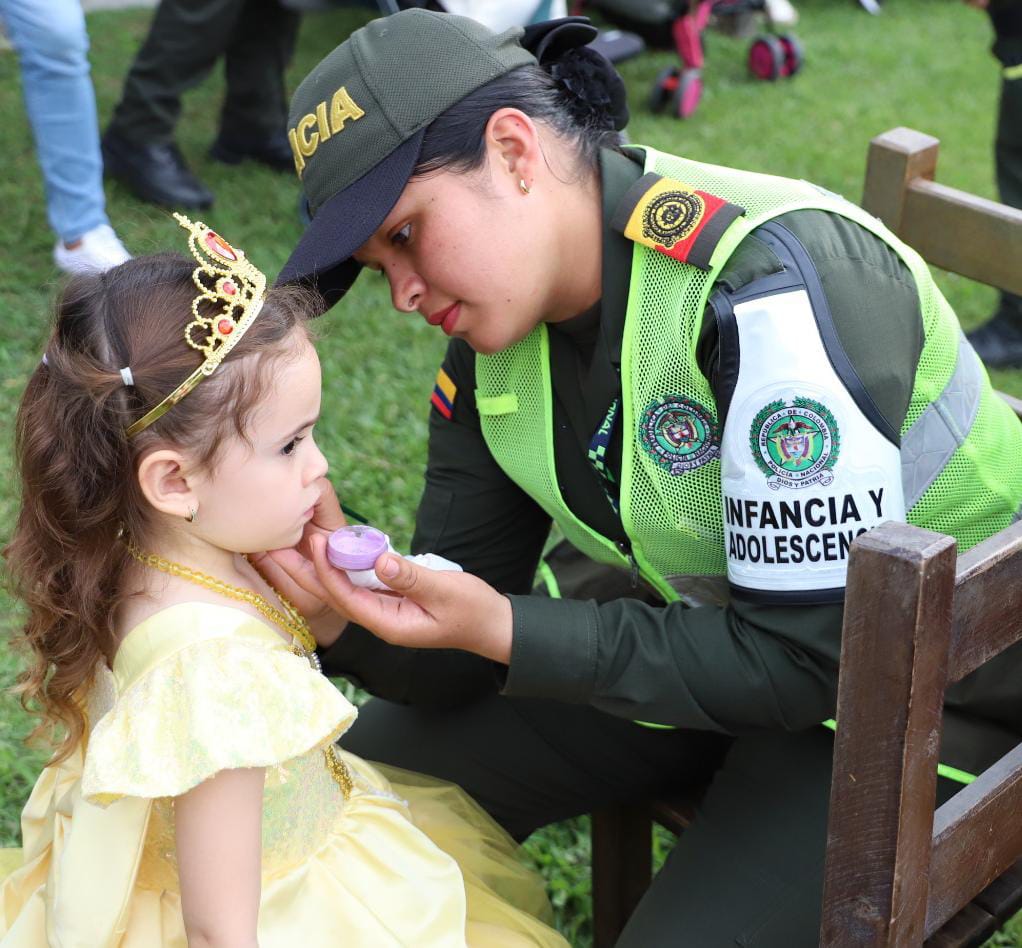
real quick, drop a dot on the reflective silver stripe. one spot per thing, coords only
(944, 424)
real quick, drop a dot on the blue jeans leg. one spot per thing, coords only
(52, 47)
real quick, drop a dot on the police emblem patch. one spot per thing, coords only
(679, 434)
(796, 443)
(672, 216)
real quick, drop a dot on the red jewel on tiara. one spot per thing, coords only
(225, 326)
(219, 246)
(229, 288)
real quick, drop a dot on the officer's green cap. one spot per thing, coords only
(358, 119)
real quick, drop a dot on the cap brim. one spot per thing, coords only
(347, 220)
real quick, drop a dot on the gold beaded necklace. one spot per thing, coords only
(290, 621)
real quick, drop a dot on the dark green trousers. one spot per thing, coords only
(748, 872)
(1006, 17)
(255, 38)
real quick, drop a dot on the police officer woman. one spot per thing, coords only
(710, 379)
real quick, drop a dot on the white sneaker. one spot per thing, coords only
(781, 12)
(99, 250)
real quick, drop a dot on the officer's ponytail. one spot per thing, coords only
(574, 91)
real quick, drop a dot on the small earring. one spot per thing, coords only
(522, 186)
(193, 512)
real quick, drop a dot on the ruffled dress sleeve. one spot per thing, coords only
(218, 702)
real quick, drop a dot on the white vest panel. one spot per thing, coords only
(803, 470)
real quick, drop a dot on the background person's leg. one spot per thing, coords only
(1008, 144)
(999, 340)
(254, 118)
(52, 48)
(186, 37)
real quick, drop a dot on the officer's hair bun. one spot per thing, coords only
(589, 85)
(591, 88)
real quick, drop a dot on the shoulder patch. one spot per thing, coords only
(444, 393)
(679, 221)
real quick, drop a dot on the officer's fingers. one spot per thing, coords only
(458, 610)
(392, 618)
(416, 582)
(293, 570)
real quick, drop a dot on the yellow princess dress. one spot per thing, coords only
(349, 857)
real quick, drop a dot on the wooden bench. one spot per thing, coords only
(915, 622)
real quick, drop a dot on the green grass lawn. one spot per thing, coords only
(923, 64)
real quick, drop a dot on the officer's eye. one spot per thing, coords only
(401, 237)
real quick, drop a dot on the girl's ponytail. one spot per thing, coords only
(64, 561)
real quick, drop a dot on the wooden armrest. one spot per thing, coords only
(952, 229)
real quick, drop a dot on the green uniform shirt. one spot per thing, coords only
(737, 669)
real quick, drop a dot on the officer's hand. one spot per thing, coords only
(292, 574)
(432, 608)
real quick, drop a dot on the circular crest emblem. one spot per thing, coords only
(679, 434)
(672, 216)
(796, 443)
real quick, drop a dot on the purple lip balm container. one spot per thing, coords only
(355, 549)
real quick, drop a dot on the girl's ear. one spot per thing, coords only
(163, 477)
(512, 140)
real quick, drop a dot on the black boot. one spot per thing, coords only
(998, 342)
(274, 151)
(154, 172)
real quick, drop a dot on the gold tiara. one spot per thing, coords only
(227, 279)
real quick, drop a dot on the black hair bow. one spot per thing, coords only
(591, 81)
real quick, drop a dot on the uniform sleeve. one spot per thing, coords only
(470, 512)
(736, 670)
(217, 704)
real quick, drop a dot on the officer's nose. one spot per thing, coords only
(407, 289)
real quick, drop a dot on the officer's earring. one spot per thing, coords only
(522, 186)
(193, 512)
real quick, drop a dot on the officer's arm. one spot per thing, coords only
(735, 670)
(751, 665)
(471, 513)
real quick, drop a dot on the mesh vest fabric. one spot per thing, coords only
(674, 522)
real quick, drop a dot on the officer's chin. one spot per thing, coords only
(484, 346)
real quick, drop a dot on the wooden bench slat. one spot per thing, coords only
(622, 867)
(972, 926)
(964, 233)
(875, 830)
(988, 596)
(977, 835)
(1003, 897)
(953, 229)
(675, 813)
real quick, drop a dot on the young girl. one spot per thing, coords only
(197, 795)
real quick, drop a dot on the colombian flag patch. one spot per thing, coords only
(666, 215)
(444, 393)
